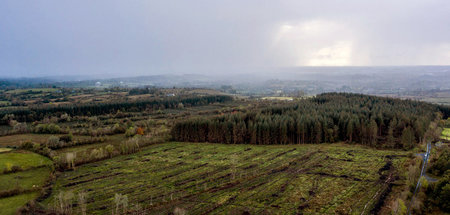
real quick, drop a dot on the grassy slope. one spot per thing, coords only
(11, 204)
(23, 159)
(30, 180)
(218, 178)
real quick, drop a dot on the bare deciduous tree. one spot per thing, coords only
(121, 201)
(82, 202)
(179, 211)
(63, 202)
(70, 159)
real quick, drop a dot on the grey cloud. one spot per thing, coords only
(154, 37)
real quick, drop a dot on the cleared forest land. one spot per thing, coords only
(202, 178)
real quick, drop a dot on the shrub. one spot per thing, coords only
(67, 138)
(117, 129)
(20, 128)
(130, 132)
(64, 118)
(424, 182)
(47, 129)
(441, 164)
(139, 131)
(53, 142)
(11, 192)
(97, 154)
(109, 150)
(16, 168)
(12, 168)
(129, 146)
(27, 145)
(441, 192)
(42, 150)
(94, 154)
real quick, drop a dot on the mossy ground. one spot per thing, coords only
(216, 178)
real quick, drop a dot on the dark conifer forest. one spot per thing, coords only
(329, 117)
(30, 114)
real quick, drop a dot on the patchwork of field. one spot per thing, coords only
(202, 178)
(25, 182)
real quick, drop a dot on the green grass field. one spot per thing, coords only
(203, 178)
(34, 174)
(446, 134)
(31, 179)
(24, 159)
(9, 205)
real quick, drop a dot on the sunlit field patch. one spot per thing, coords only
(23, 159)
(5, 150)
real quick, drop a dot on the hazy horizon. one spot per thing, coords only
(141, 38)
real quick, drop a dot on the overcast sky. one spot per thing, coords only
(131, 37)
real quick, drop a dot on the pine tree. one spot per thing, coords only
(373, 131)
(390, 137)
(408, 138)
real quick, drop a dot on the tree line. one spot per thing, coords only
(31, 114)
(329, 117)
